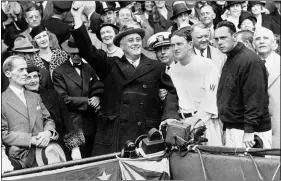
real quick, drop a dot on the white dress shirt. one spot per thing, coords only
(19, 93)
(77, 69)
(135, 63)
(198, 52)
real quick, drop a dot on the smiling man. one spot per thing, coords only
(201, 45)
(242, 96)
(130, 105)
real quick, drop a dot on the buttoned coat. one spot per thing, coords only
(75, 91)
(274, 98)
(19, 123)
(130, 105)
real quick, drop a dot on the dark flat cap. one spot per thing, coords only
(62, 6)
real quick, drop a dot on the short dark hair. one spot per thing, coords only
(183, 32)
(246, 35)
(231, 27)
(32, 7)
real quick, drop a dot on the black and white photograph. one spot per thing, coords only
(140, 90)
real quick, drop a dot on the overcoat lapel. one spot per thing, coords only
(86, 78)
(274, 73)
(72, 74)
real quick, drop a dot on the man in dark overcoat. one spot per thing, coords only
(130, 105)
(80, 89)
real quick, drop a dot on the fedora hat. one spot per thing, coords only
(22, 44)
(104, 6)
(103, 25)
(246, 15)
(70, 46)
(252, 3)
(178, 9)
(159, 39)
(231, 3)
(127, 30)
(53, 153)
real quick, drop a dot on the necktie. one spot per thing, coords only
(202, 51)
(22, 98)
(134, 63)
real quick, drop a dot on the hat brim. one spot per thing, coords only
(228, 6)
(103, 25)
(31, 50)
(160, 44)
(119, 36)
(250, 17)
(68, 49)
(174, 16)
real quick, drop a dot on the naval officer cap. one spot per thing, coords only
(159, 39)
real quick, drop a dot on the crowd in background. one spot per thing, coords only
(75, 91)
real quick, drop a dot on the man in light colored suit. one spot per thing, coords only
(26, 123)
(264, 45)
(201, 45)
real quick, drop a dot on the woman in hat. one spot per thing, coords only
(256, 8)
(54, 104)
(234, 10)
(180, 16)
(106, 34)
(247, 21)
(160, 20)
(47, 58)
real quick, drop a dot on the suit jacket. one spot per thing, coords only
(130, 105)
(274, 97)
(19, 123)
(75, 91)
(272, 21)
(59, 28)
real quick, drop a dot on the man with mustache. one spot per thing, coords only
(242, 96)
(201, 45)
(130, 105)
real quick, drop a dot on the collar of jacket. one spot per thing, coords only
(240, 46)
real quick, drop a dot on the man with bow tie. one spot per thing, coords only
(130, 105)
(80, 88)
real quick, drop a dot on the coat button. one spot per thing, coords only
(141, 104)
(144, 86)
(139, 123)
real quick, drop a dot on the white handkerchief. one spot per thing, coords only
(38, 107)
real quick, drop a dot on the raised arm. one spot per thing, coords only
(96, 58)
